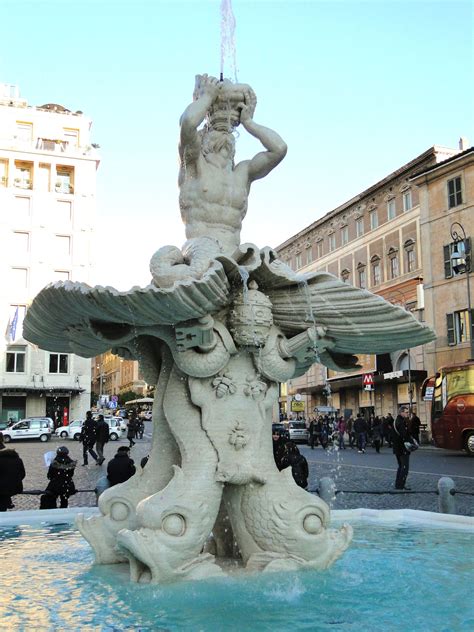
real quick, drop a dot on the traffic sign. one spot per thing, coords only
(368, 381)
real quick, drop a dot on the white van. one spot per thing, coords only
(38, 428)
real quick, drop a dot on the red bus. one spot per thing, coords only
(451, 392)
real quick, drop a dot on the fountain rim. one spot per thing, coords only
(381, 517)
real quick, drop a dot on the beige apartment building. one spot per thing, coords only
(446, 195)
(112, 375)
(380, 240)
(47, 201)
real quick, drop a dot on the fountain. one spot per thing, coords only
(219, 326)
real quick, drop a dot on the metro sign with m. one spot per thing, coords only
(368, 381)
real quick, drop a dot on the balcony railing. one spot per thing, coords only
(45, 145)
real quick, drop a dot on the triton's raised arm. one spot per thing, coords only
(263, 162)
(205, 93)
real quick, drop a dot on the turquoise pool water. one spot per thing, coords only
(391, 578)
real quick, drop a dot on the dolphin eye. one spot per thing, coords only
(312, 524)
(174, 524)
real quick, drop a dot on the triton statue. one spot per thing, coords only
(217, 330)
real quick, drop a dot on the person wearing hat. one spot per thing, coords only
(12, 473)
(61, 484)
(400, 438)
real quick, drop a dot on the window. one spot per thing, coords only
(391, 209)
(448, 251)
(63, 245)
(394, 267)
(16, 360)
(19, 278)
(63, 183)
(58, 363)
(309, 255)
(376, 273)
(345, 274)
(374, 220)
(454, 192)
(3, 173)
(71, 136)
(344, 235)
(21, 207)
(411, 261)
(20, 243)
(23, 175)
(62, 212)
(359, 227)
(362, 277)
(24, 131)
(332, 242)
(61, 275)
(320, 249)
(407, 200)
(458, 327)
(298, 262)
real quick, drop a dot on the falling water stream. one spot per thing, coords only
(228, 38)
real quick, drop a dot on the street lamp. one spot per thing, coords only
(461, 263)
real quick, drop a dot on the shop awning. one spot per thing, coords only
(44, 390)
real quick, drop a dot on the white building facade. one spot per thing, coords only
(47, 209)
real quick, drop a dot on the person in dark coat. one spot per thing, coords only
(414, 426)
(387, 429)
(377, 434)
(12, 473)
(400, 436)
(121, 467)
(299, 465)
(278, 447)
(61, 484)
(132, 429)
(102, 437)
(360, 429)
(88, 438)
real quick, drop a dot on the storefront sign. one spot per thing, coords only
(297, 407)
(393, 375)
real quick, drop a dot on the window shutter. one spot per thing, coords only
(450, 329)
(448, 273)
(472, 325)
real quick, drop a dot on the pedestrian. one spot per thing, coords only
(414, 425)
(132, 429)
(350, 431)
(61, 483)
(88, 437)
(341, 428)
(102, 437)
(278, 447)
(121, 467)
(402, 442)
(360, 429)
(387, 428)
(140, 428)
(12, 473)
(299, 465)
(377, 434)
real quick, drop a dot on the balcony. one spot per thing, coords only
(49, 146)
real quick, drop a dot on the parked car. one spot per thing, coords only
(36, 428)
(298, 431)
(72, 431)
(117, 428)
(281, 429)
(48, 420)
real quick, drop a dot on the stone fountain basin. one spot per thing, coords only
(48, 581)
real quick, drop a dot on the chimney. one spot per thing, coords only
(463, 143)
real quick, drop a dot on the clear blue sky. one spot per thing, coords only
(356, 89)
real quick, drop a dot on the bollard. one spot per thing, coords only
(446, 491)
(327, 490)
